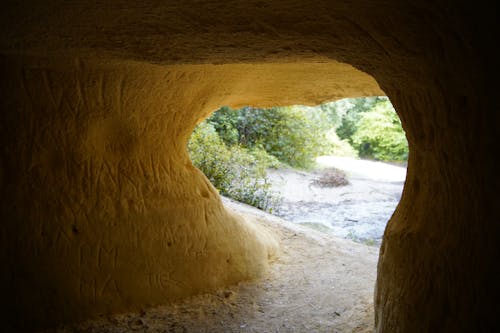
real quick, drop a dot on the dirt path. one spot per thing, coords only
(319, 283)
(358, 211)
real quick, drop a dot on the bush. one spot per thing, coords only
(234, 171)
(293, 135)
(331, 177)
(233, 148)
(379, 134)
(352, 111)
(337, 147)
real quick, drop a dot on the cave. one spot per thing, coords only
(103, 212)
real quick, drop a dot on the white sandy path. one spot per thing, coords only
(359, 210)
(373, 170)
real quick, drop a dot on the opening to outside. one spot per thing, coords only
(338, 167)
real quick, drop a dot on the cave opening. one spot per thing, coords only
(311, 274)
(338, 167)
(98, 100)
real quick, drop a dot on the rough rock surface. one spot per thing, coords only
(97, 102)
(105, 210)
(319, 283)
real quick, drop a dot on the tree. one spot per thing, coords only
(349, 122)
(379, 134)
(293, 135)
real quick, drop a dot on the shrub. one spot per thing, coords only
(352, 111)
(337, 147)
(233, 148)
(379, 134)
(292, 137)
(331, 177)
(234, 171)
(291, 134)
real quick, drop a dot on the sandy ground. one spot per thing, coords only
(358, 211)
(319, 283)
(373, 170)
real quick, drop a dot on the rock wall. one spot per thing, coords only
(102, 211)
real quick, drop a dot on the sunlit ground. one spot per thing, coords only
(358, 211)
(366, 169)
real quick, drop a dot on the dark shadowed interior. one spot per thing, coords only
(102, 211)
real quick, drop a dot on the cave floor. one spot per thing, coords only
(319, 283)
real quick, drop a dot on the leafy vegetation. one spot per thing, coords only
(235, 147)
(371, 126)
(379, 134)
(291, 134)
(349, 112)
(234, 171)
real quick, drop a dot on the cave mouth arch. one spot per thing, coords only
(319, 269)
(111, 152)
(74, 78)
(84, 170)
(288, 160)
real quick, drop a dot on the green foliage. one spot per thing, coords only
(333, 112)
(293, 135)
(338, 147)
(234, 148)
(225, 121)
(353, 112)
(370, 126)
(261, 155)
(234, 171)
(379, 134)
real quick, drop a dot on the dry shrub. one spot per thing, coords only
(331, 177)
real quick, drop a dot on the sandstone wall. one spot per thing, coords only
(102, 209)
(93, 156)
